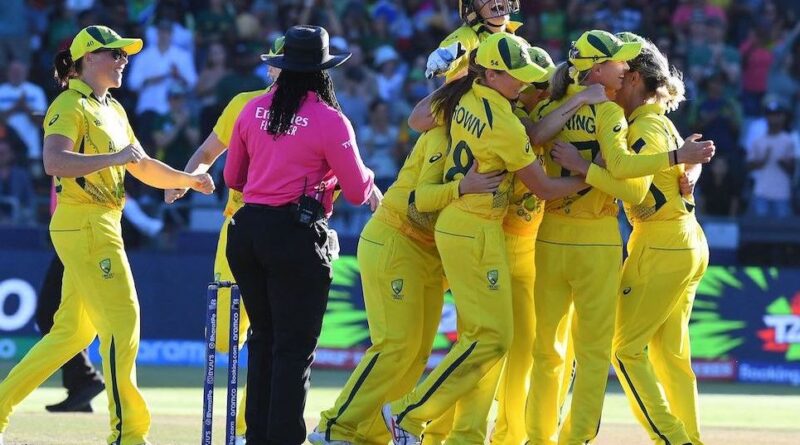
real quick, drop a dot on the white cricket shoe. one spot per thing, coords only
(239, 440)
(318, 438)
(399, 435)
(1, 438)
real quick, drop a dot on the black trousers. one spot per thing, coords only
(78, 371)
(284, 274)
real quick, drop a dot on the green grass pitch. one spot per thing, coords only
(731, 414)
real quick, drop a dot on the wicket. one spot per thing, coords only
(210, 363)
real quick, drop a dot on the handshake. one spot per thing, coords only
(440, 59)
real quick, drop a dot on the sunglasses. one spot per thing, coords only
(116, 53)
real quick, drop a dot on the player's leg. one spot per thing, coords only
(470, 419)
(373, 431)
(651, 289)
(71, 332)
(222, 272)
(106, 283)
(394, 275)
(552, 302)
(474, 259)
(672, 357)
(514, 382)
(594, 273)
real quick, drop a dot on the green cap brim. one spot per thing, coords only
(529, 73)
(627, 52)
(130, 46)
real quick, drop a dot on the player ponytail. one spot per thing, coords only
(445, 99)
(560, 81)
(662, 83)
(65, 68)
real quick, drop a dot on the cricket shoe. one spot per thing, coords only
(1, 438)
(399, 435)
(317, 437)
(240, 440)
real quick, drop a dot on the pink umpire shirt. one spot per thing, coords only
(317, 152)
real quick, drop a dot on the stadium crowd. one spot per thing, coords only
(740, 58)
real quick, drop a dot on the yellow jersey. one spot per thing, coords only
(485, 129)
(469, 37)
(399, 206)
(223, 129)
(594, 129)
(651, 131)
(96, 127)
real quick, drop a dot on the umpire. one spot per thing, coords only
(289, 149)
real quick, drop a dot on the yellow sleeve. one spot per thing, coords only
(431, 195)
(224, 126)
(632, 191)
(612, 136)
(64, 117)
(469, 41)
(513, 145)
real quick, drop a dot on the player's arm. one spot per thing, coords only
(545, 187)
(541, 131)
(159, 175)
(622, 164)
(421, 118)
(200, 162)
(431, 194)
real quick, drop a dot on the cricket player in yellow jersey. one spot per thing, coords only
(88, 146)
(578, 251)
(668, 256)
(465, 422)
(481, 19)
(478, 113)
(403, 294)
(215, 144)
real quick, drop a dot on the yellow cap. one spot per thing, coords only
(543, 59)
(627, 36)
(506, 52)
(597, 46)
(95, 37)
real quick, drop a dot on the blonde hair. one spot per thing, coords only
(565, 75)
(662, 82)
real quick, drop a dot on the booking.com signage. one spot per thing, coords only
(745, 323)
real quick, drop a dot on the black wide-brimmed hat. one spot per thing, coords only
(305, 49)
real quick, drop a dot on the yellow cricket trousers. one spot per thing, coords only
(577, 263)
(222, 272)
(651, 348)
(468, 418)
(473, 253)
(98, 299)
(402, 282)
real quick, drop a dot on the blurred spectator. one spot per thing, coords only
(552, 25)
(157, 68)
(14, 35)
(215, 24)
(619, 18)
(784, 75)
(172, 12)
(717, 115)
(242, 78)
(391, 74)
(378, 142)
(16, 188)
(772, 161)
(22, 105)
(215, 68)
(721, 186)
(695, 11)
(707, 52)
(756, 53)
(176, 133)
(352, 97)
